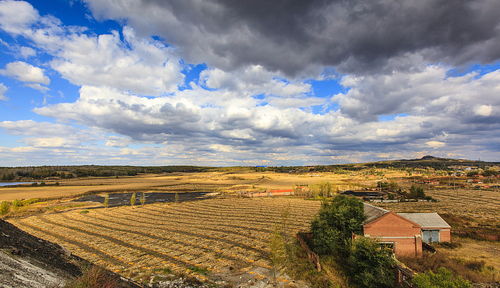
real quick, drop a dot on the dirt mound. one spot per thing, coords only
(28, 261)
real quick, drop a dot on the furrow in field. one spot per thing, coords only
(158, 219)
(67, 242)
(235, 216)
(159, 255)
(185, 246)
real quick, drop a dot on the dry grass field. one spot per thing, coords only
(482, 207)
(215, 238)
(228, 182)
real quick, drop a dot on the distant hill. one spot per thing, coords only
(64, 172)
(431, 161)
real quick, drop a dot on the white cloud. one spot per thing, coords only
(43, 142)
(3, 89)
(483, 110)
(37, 86)
(27, 52)
(144, 67)
(25, 72)
(15, 16)
(435, 144)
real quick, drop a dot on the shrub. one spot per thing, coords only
(133, 198)
(16, 204)
(4, 207)
(106, 200)
(143, 198)
(417, 192)
(370, 265)
(337, 220)
(94, 277)
(442, 278)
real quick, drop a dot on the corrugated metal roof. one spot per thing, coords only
(373, 212)
(426, 220)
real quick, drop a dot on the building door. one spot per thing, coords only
(430, 236)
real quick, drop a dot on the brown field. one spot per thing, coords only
(482, 207)
(223, 237)
(228, 182)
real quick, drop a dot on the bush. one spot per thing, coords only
(106, 200)
(94, 277)
(133, 198)
(371, 265)
(143, 198)
(16, 204)
(336, 222)
(417, 192)
(4, 207)
(443, 278)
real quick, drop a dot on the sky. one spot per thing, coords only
(249, 82)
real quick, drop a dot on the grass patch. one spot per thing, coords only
(164, 270)
(472, 270)
(84, 212)
(199, 270)
(94, 277)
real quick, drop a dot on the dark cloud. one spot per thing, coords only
(293, 36)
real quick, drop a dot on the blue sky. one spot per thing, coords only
(96, 82)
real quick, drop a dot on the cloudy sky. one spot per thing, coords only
(248, 82)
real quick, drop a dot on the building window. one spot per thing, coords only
(430, 236)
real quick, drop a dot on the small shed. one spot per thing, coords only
(404, 232)
(434, 228)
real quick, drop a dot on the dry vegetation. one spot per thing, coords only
(461, 208)
(229, 182)
(210, 238)
(224, 237)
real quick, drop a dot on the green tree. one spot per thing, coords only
(370, 265)
(133, 198)
(442, 278)
(143, 198)
(333, 227)
(417, 192)
(106, 200)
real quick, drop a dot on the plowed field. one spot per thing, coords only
(201, 238)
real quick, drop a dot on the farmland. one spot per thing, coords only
(227, 182)
(216, 238)
(227, 237)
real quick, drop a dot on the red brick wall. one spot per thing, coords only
(406, 235)
(445, 235)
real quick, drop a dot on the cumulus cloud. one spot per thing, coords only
(139, 65)
(27, 52)
(435, 144)
(483, 110)
(426, 92)
(254, 103)
(3, 89)
(15, 16)
(25, 72)
(356, 36)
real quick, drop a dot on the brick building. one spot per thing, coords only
(404, 232)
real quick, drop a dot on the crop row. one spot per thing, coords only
(183, 237)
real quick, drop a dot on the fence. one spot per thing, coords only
(313, 257)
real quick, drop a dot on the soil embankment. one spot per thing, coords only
(28, 261)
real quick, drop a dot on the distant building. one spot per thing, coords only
(404, 232)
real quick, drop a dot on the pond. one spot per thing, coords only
(123, 199)
(13, 183)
